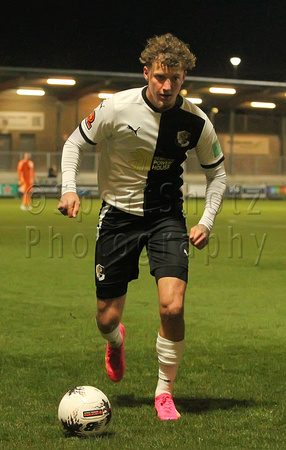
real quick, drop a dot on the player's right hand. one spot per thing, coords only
(69, 204)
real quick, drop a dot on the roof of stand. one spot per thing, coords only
(92, 82)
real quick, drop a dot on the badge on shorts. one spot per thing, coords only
(99, 272)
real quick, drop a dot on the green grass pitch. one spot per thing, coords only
(230, 387)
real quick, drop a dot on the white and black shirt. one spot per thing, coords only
(143, 151)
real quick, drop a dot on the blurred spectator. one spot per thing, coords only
(52, 173)
(26, 176)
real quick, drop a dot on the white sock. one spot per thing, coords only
(114, 338)
(169, 358)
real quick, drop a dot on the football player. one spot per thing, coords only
(146, 134)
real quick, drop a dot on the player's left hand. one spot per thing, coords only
(199, 236)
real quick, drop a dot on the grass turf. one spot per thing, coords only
(230, 388)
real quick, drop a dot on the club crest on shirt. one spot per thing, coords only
(183, 138)
(89, 120)
(99, 272)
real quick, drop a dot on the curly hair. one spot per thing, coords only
(169, 50)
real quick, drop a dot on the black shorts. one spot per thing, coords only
(121, 238)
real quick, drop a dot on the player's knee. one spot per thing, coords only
(107, 317)
(172, 309)
(107, 322)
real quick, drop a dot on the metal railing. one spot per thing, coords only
(241, 164)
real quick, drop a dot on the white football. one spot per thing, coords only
(84, 411)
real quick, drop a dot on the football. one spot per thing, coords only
(84, 411)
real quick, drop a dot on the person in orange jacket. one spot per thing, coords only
(26, 176)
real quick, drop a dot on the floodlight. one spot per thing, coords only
(220, 90)
(195, 100)
(235, 61)
(61, 81)
(104, 95)
(268, 105)
(37, 92)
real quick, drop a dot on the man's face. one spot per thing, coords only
(164, 84)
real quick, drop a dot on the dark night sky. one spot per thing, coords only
(109, 35)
